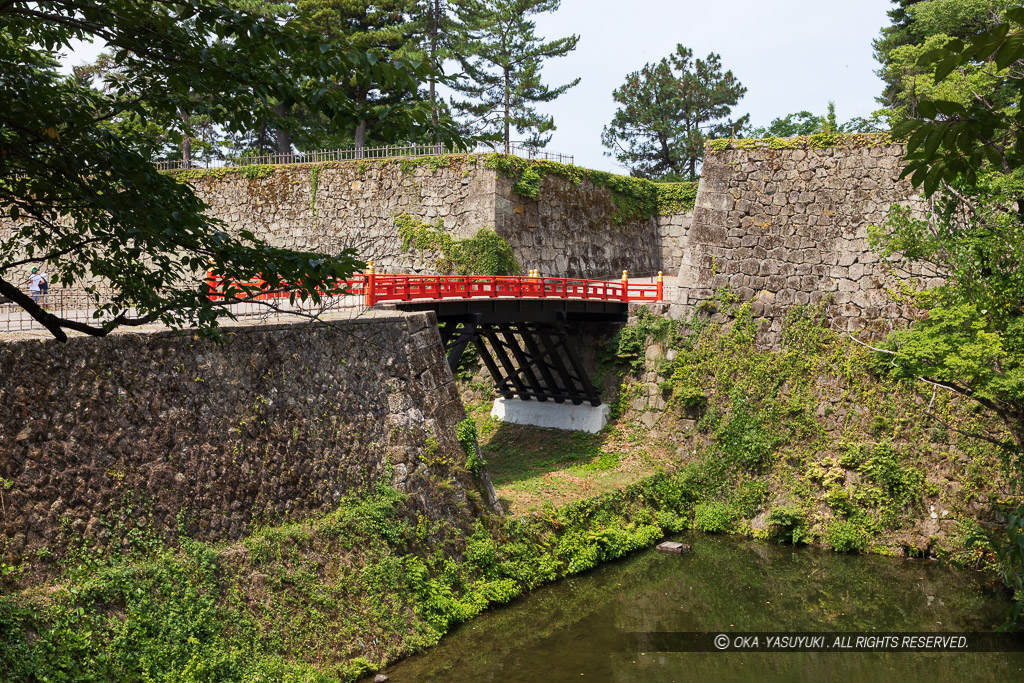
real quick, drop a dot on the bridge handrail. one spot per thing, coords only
(381, 287)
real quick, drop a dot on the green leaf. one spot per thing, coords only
(946, 67)
(1011, 50)
(918, 136)
(931, 144)
(1015, 14)
(993, 156)
(932, 56)
(947, 108)
(927, 109)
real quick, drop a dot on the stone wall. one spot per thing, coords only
(789, 226)
(673, 231)
(353, 207)
(161, 433)
(568, 231)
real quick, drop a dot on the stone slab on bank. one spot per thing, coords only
(581, 418)
(673, 548)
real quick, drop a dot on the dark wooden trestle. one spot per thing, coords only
(525, 344)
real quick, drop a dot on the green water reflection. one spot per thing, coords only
(573, 630)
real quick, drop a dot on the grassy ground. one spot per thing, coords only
(533, 468)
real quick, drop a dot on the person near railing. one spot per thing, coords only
(38, 283)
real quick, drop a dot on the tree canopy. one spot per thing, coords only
(966, 155)
(78, 188)
(920, 26)
(807, 123)
(381, 28)
(668, 110)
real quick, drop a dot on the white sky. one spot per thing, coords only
(790, 54)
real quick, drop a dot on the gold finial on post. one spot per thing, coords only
(625, 285)
(661, 286)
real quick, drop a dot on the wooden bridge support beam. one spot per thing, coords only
(524, 344)
(531, 361)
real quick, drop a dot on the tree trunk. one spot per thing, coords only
(186, 141)
(361, 135)
(433, 61)
(360, 132)
(508, 114)
(284, 138)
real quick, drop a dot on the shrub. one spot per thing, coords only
(714, 517)
(846, 536)
(789, 524)
(750, 496)
(466, 433)
(904, 486)
(690, 398)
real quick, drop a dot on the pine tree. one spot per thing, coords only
(669, 110)
(438, 29)
(502, 57)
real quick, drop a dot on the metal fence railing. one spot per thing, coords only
(518, 149)
(80, 305)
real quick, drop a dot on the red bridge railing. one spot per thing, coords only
(379, 287)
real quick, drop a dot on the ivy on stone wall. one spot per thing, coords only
(409, 165)
(254, 172)
(633, 198)
(485, 253)
(314, 186)
(676, 198)
(816, 141)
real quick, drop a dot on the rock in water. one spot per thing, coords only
(380, 678)
(673, 548)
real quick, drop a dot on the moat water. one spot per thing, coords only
(579, 629)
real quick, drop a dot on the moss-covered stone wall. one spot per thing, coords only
(152, 436)
(812, 441)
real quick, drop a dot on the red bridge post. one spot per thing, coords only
(369, 284)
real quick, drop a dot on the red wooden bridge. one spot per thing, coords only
(379, 288)
(522, 326)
